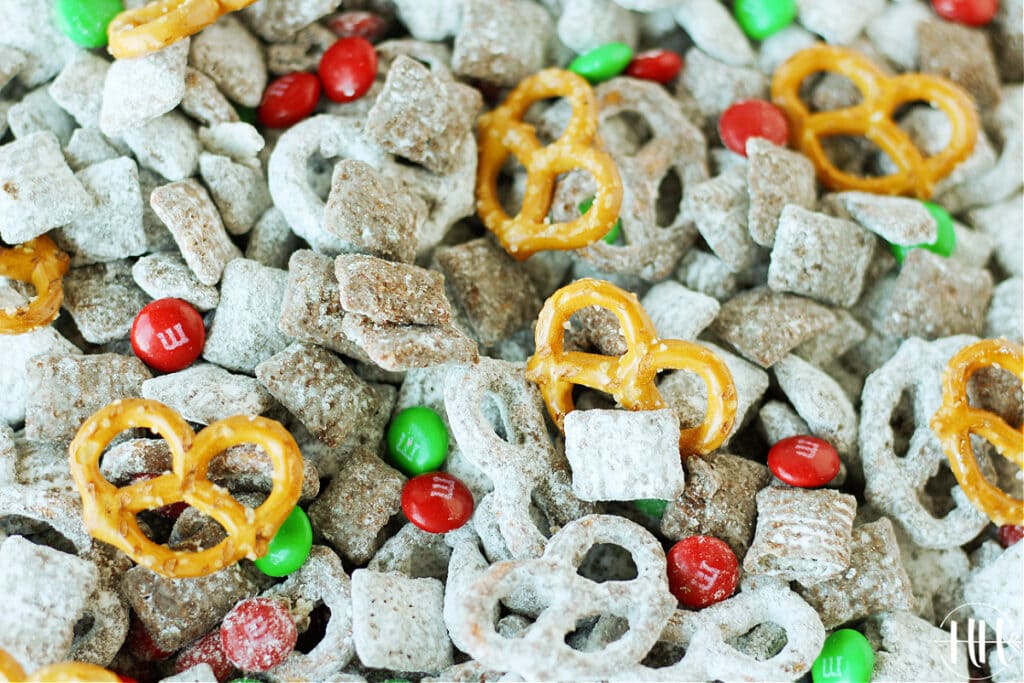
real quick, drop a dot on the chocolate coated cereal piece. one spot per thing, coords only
(586, 24)
(37, 189)
(1004, 314)
(907, 647)
(501, 41)
(421, 117)
(819, 256)
(397, 622)
(65, 389)
(167, 144)
(239, 191)
(271, 241)
(827, 346)
(103, 300)
(708, 274)
(302, 52)
(430, 19)
(371, 214)
(678, 312)
(320, 581)
(993, 589)
(718, 500)
(352, 511)
(30, 27)
(177, 611)
(165, 274)
(230, 55)
(764, 326)
(244, 330)
(206, 393)
(802, 534)
(838, 25)
(936, 297)
(311, 310)
(822, 403)
(875, 582)
(37, 621)
(999, 222)
(712, 28)
(44, 508)
(1008, 40)
(413, 552)
(493, 291)
(204, 101)
(143, 88)
(716, 85)
(11, 62)
(719, 208)
(189, 214)
(319, 389)
(16, 350)
(397, 347)
(897, 220)
(895, 481)
(963, 55)
(113, 229)
(277, 20)
(38, 112)
(776, 177)
(200, 673)
(88, 146)
(391, 292)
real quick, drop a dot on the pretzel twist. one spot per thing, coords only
(109, 512)
(630, 378)
(503, 132)
(152, 27)
(40, 262)
(872, 118)
(956, 420)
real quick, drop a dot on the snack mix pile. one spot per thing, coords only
(511, 340)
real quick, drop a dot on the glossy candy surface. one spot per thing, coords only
(417, 440)
(661, 66)
(603, 62)
(804, 461)
(761, 18)
(437, 502)
(945, 237)
(289, 547)
(348, 69)
(168, 335)
(652, 507)
(365, 25)
(85, 21)
(846, 657)
(969, 12)
(702, 570)
(207, 650)
(289, 99)
(258, 634)
(752, 119)
(1010, 534)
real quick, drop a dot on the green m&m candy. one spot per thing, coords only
(652, 507)
(612, 234)
(761, 18)
(603, 62)
(289, 547)
(418, 440)
(85, 21)
(945, 236)
(846, 657)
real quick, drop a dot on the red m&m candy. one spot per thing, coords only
(289, 99)
(258, 634)
(752, 119)
(661, 66)
(969, 12)
(702, 570)
(140, 644)
(168, 334)
(348, 69)
(804, 461)
(358, 23)
(1010, 534)
(207, 650)
(437, 502)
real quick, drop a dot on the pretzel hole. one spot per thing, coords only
(550, 117)
(625, 133)
(929, 127)
(687, 393)
(607, 562)
(831, 91)
(857, 155)
(609, 629)
(670, 199)
(761, 641)
(997, 391)
(313, 628)
(511, 186)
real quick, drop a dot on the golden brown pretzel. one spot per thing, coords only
(630, 378)
(40, 262)
(109, 512)
(152, 27)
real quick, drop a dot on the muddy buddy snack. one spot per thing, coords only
(519, 340)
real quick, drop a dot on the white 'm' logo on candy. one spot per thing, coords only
(832, 667)
(707, 575)
(442, 488)
(168, 340)
(407, 446)
(806, 449)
